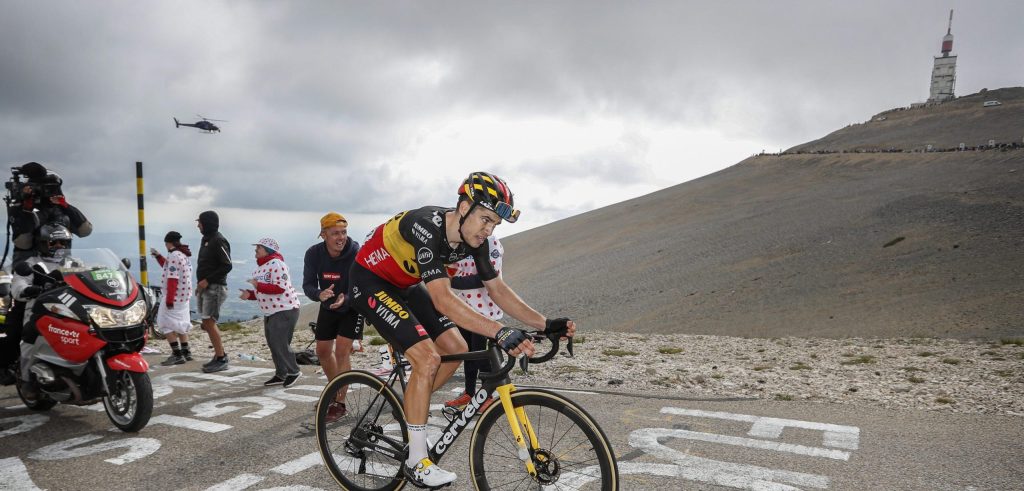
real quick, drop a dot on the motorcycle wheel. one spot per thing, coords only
(38, 404)
(130, 403)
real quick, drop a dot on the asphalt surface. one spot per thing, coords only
(203, 436)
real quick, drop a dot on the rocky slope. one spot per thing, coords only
(921, 373)
(829, 245)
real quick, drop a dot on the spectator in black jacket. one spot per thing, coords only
(212, 267)
(325, 280)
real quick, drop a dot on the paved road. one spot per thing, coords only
(226, 431)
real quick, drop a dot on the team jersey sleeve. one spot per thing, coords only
(484, 255)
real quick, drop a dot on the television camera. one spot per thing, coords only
(41, 185)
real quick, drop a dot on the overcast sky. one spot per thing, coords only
(369, 108)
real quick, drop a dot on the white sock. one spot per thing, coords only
(417, 444)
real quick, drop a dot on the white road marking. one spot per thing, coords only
(740, 476)
(14, 475)
(138, 448)
(289, 395)
(181, 379)
(237, 483)
(188, 423)
(298, 465)
(27, 422)
(837, 436)
(293, 488)
(212, 409)
(754, 443)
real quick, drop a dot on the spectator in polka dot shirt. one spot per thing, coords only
(272, 289)
(173, 318)
(470, 288)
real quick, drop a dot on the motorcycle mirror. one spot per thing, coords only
(126, 262)
(23, 269)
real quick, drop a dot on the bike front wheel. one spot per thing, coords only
(572, 451)
(364, 449)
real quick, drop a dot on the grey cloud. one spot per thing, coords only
(319, 95)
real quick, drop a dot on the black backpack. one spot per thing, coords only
(307, 357)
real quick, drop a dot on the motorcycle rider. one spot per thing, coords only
(52, 246)
(39, 200)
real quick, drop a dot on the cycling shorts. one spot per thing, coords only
(331, 324)
(403, 317)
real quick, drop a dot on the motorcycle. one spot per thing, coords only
(93, 320)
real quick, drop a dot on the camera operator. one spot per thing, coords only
(37, 201)
(34, 198)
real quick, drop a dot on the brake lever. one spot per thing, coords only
(524, 363)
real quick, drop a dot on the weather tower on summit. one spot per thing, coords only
(944, 70)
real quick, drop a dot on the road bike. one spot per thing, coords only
(528, 439)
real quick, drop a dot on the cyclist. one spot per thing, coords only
(400, 283)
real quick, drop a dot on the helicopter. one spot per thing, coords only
(205, 124)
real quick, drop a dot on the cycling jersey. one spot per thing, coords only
(391, 267)
(412, 247)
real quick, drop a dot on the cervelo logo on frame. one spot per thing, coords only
(459, 423)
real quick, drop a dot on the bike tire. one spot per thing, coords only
(131, 406)
(575, 449)
(373, 409)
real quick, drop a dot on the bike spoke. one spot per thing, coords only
(571, 453)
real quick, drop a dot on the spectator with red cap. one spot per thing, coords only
(272, 289)
(173, 318)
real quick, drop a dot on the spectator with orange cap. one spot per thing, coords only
(325, 280)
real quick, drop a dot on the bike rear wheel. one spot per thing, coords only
(363, 450)
(573, 452)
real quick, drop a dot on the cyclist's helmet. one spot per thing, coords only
(489, 191)
(54, 240)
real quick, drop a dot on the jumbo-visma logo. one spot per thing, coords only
(391, 304)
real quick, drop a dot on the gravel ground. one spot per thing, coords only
(921, 373)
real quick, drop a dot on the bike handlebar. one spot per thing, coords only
(554, 336)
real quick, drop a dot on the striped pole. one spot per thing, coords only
(142, 225)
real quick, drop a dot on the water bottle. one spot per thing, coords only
(249, 357)
(385, 358)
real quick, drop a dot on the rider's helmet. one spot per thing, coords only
(54, 240)
(489, 191)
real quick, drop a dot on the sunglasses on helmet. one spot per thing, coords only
(506, 212)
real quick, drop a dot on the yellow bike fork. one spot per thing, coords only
(517, 421)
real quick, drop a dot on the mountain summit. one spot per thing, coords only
(861, 243)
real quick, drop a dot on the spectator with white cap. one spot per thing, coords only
(272, 289)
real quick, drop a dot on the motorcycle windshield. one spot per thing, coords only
(100, 271)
